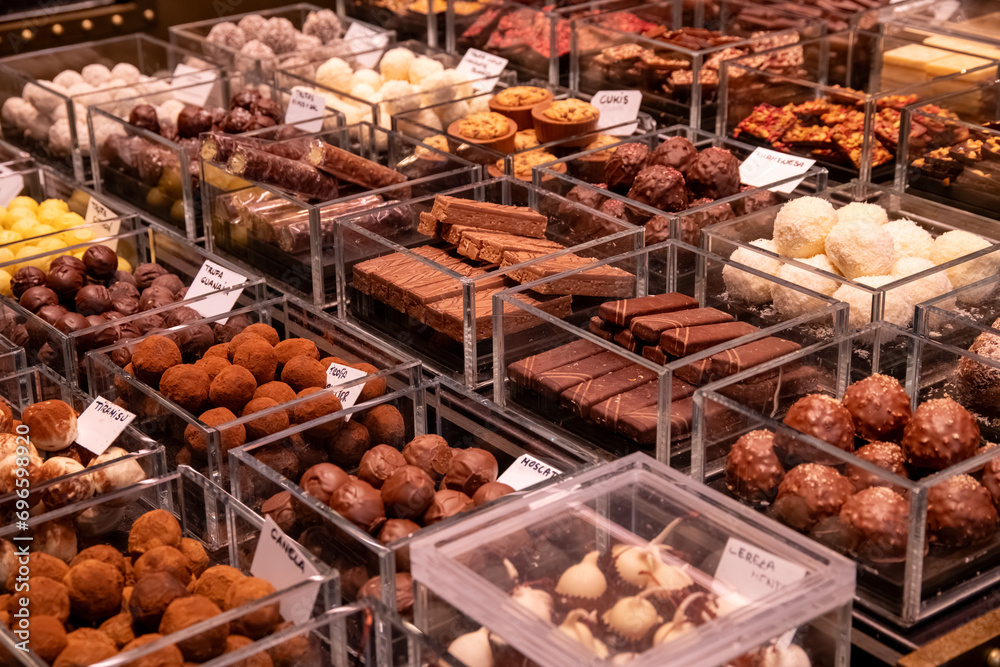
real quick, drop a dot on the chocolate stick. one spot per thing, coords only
(350, 167)
(256, 165)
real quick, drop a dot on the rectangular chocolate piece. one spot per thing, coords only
(363, 272)
(761, 394)
(446, 315)
(696, 373)
(608, 413)
(623, 312)
(488, 246)
(523, 372)
(554, 382)
(649, 327)
(655, 354)
(640, 425)
(601, 328)
(752, 354)
(408, 281)
(513, 219)
(628, 341)
(604, 280)
(586, 395)
(428, 225)
(689, 340)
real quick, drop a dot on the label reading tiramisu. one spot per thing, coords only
(100, 424)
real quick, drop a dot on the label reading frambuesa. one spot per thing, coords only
(337, 374)
(526, 471)
(212, 278)
(11, 184)
(280, 561)
(476, 64)
(366, 44)
(764, 167)
(617, 107)
(196, 84)
(100, 424)
(754, 572)
(305, 110)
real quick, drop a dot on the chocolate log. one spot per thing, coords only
(622, 312)
(682, 342)
(350, 167)
(525, 371)
(650, 327)
(586, 395)
(220, 147)
(554, 382)
(256, 165)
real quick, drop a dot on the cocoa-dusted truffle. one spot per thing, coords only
(886, 455)
(163, 559)
(378, 463)
(52, 424)
(257, 357)
(879, 518)
(265, 331)
(303, 371)
(85, 650)
(65, 280)
(489, 492)
(153, 529)
(185, 612)
(238, 340)
(753, 471)
(48, 637)
(34, 298)
(469, 469)
(809, 493)
(822, 417)
(92, 300)
(269, 424)
(102, 552)
(675, 152)
(42, 565)
(322, 404)
(25, 278)
(100, 262)
(259, 622)
(321, 480)
(293, 347)
(214, 584)
(278, 391)
(215, 365)
(408, 492)
(624, 164)
(231, 436)
(373, 388)
(879, 407)
(960, 512)
(349, 445)
(95, 589)
(151, 596)
(385, 425)
(360, 503)
(47, 597)
(120, 627)
(939, 434)
(446, 503)
(660, 187)
(186, 385)
(167, 656)
(714, 173)
(152, 357)
(145, 274)
(232, 388)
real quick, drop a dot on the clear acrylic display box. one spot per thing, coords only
(167, 421)
(918, 568)
(292, 240)
(606, 57)
(161, 176)
(959, 317)
(446, 318)
(420, 20)
(845, 92)
(136, 244)
(56, 133)
(13, 158)
(970, 26)
(658, 419)
(631, 506)
(438, 407)
(12, 357)
(194, 36)
(894, 300)
(199, 507)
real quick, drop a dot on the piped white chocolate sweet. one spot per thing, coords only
(580, 631)
(632, 617)
(583, 580)
(793, 656)
(473, 649)
(537, 601)
(641, 565)
(679, 625)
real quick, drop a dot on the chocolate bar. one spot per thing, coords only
(428, 224)
(581, 398)
(525, 371)
(513, 219)
(608, 413)
(488, 246)
(292, 234)
(696, 373)
(220, 147)
(446, 315)
(655, 354)
(352, 168)
(628, 341)
(601, 328)
(689, 340)
(649, 327)
(751, 354)
(297, 177)
(603, 280)
(377, 273)
(623, 312)
(761, 394)
(552, 383)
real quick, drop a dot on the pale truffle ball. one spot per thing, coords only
(368, 77)
(80, 89)
(335, 74)
(479, 103)
(95, 74)
(898, 308)
(440, 87)
(400, 95)
(423, 67)
(449, 113)
(426, 119)
(861, 212)
(279, 34)
(104, 128)
(305, 43)
(745, 286)
(18, 112)
(395, 64)
(861, 249)
(363, 91)
(228, 35)
(127, 72)
(801, 226)
(168, 112)
(791, 303)
(252, 26)
(926, 288)
(955, 244)
(60, 140)
(67, 78)
(323, 25)
(44, 99)
(909, 239)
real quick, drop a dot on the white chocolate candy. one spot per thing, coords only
(792, 303)
(745, 286)
(95, 74)
(335, 74)
(583, 580)
(395, 64)
(423, 67)
(909, 239)
(67, 78)
(801, 227)
(861, 249)
(127, 72)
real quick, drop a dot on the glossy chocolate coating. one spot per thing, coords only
(155, 297)
(101, 262)
(430, 453)
(93, 300)
(70, 261)
(879, 519)
(122, 277)
(65, 280)
(360, 503)
(879, 407)
(624, 164)
(960, 513)
(753, 471)
(939, 434)
(321, 480)
(675, 152)
(170, 282)
(886, 455)
(34, 298)
(407, 492)
(145, 274)
(25, 278)
(378, 463)
(281, 510)
(446, 503)
(822, 417)
(714, 173)
(470, 469)
(810, 493)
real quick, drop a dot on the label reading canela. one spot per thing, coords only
(476, 64)
(280, 561)
(305, 110)
(526, 471)
(211, 278)
(754, 572)
(337, 374)
(619, 108)
(100, 424)
(764, 167)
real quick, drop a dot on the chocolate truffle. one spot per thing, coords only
(469, 469)
(886, 455)
(879, 407)
(588, 196)
(183, 315)
(279, 391)
(378, 463)
(163, 559)
(489, 492)
(397, 529)
(155, 297)
(258, 357)
(69, 261)
(122, 277)
(350, 445)
(186, 385)
(145, 274)
(991, 473)
(321, 480)
(282, 510)
(169, 282)
(404, 593)
(152, 357)
(71, 323)
(675, 152)
(446, 503)
(274, 422)
(879, 518)
(809, 493)
(232, 388)
(231, 436)
(51, 314)
(103, 335)
(960, 513)
(185, 612)
(939, 434)
(95, 589)
(25, 278)
(360, 503)
(93, 300)
(48, 637)
(714, 173)
(407, 493)
(261, 621)
(122, 289)
(144, 116)
(660, 187)
(981, 382)
(34, 298)
(614, 208)
(100, 261)
(293, 347)
(51, 424)
(214, 584)
(153, 529)
(822, 417)
(65, 281)
(194, 339)
(624, 164)
(301, 372)
(429, 452)
(265, 331)
(323, 404)
(753, 471)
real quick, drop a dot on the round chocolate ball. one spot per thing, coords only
(123, 289)
(879, 407)
(281, 510)
(879, 519)
(407, 493)
(122, 277)
(183, 315)
(104, 334)
(378, 463)
(155, 297)
(753, 471)
(51, 314)
(101, 262)
(809, 493)
(25, 278)
(660, 187)
(714, 173)
(71, 322)
(447, 503)
(394, 530)
(70, 261)
(939, 434)
(170, 282)
(470, 469)
(886, 455)
(93, 300)
(65, 281)
(360, 503)
(429, 452)
(321, 480)
(675, 152)
(487, 493)
(624, 164)
(822, 417)
(34, 298)
(960, 513)
(145, 274)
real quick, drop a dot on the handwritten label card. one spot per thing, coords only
(754, 572)
(101, 424)
(617, 107)
(280, 561)
(98, 212)
(337, 374)
(305, 110)
(526, 471)
(197, 82)
(764, 167)
(372, 43)
(11, 184)
(476, 64)
(211, 278)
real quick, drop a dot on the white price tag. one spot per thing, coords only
(11, 184)
(753, 572)
(305, 110)
(337, 374)
(280, 561)
(98, 212)
(212, 277)
(100, 424)
(617, 107)
(764, 167)
(526, 471)
(476, 64)
(368, 40)
(198, 84)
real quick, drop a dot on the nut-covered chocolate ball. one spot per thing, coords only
(385, 425)
(408, 492)
(100, 261)
(886, 455)
(321, 480)
(360, 503)
(753, 471)
(95, 589)
(65, 281)
(185, 612)
(429, 452)
(153, 356)
(879, 517)
(624, 164)
(24, 279)
(879, 407)
(822, 417)
(660, 187)
(810, 493)
(960, 513)
(939, 434)
(469, 469)
(446, 503)
(489, 492)
(34, 298)
(714, 173)
(378, 463)
(675, 152)
(92, 300)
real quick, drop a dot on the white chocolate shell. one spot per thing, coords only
(580, 632)
(583, 580)
(473, 649)
(537, 601)
(632, 617)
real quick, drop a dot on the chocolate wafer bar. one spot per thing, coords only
(446, 315)
(489, 246)
(623, 312)
(655, 354)
(602, 280)
(513, 219)
(599, 327)
(628, 341)
(752, 354)
(525, 371)
(608, 413)
(760, 394)
(554, 382)
(352, 168)
(689, 340)
(649, 327)
(581, 398)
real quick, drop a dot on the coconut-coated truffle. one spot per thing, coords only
(809, 493)
(897, 305)
(792, 303)
(153, 529)
(185, 612)
(957, 243)
(232, 388)
(801, 227)
(922, 289)
(303, 371)
(153, 356)
(257, 357)
(186, 385)
(745, 286)
(862, 212)
(960, 513)
(385, 425)
(861, 249)
(940, 433)
(95, 589)
(232, 436)
(323, 404)
(909, 239)
(276, 390)
(265, 425)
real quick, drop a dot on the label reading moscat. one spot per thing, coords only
(526, 471)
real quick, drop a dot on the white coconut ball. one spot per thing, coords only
(18, 112)
(67, 78)
(861, 212)
(861, 249)
(335, 73)
(60, 140)
(449, 113)
(898, 308)
(105, 127)
(791, 303)
(441, 87)
(927, 287)
(801, 226)
(363, 91)
(909, 239)
(423, 67)
(95, 74)
(426, 118)
(368, 77)
(42, 99)
(746, 286)
(395, 64)
(400, 95)
(168, 112)
(955, 244)
(127, 72)
(479, 103)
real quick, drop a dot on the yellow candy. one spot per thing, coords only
(6, 255)
(42, 230)
(54, 204)
(15, 215)
(9, 236)
(77, 236)
(26, 202)
(68, 220)
(3, 213)
(30, 251)
(5, 283)
(123, 265)
(50, 243)
(79, 254)
(25, 227)
(49, 216)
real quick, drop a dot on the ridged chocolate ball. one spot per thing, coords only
(879, 406)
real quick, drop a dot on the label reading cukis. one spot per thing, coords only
(212, 277)
(337, 374)
(754, 572)
(280, 561)
(526, 471)
(98, 212)
(476, 64)
(367, 40)
(100, 424)
(764, 167)
(11, 184)
(618, 107)
(305, 110)
(196, 84)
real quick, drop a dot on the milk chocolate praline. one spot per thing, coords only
(378, 463)
(145, 274)
(660, 187)
(470, 469)
(939, 434)
(100, 261)
(321, 480)
(487, 493)
(446, 503)
(675, 152)
(880, 519)
(714, 173)
(408, 492)
(811, 492)
(93, 300)
(429, 452)
(879, 407)
(886, 455)
(960, 513)
(624, 164)
(822, 417)
(360, 503)
(281, 509)
(753, 471)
